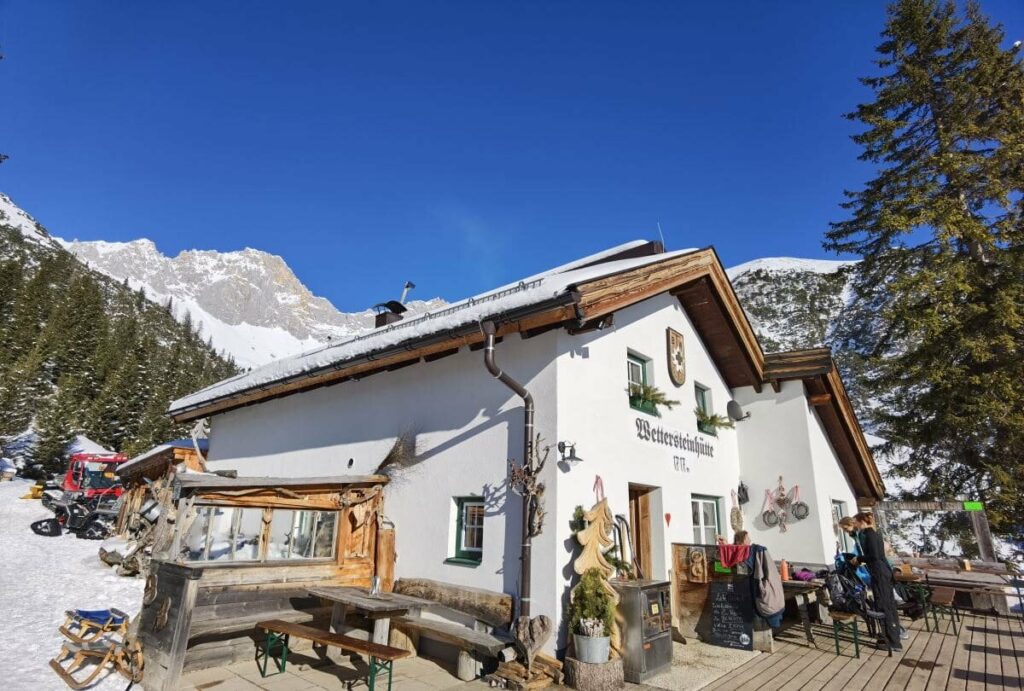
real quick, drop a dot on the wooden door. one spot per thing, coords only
(640, 527)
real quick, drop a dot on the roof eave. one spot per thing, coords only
(557, 308)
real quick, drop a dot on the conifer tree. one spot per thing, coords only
(940, 229)
(55, 430)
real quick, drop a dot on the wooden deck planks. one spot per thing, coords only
(912, 647)
(942, 663)
(1008, 653)
(987, 654)
(918, 665)
(975, 672)
(761, 667)
(1015, 643)
(842, 667)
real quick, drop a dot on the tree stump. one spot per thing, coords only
(585, 676)
(406, 640)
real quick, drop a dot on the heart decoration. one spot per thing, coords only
(668, 519)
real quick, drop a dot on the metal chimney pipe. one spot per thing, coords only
(489, 331)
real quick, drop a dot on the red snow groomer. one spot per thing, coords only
(94, 475)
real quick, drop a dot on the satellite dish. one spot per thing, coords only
(735, 412)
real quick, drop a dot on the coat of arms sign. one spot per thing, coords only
(676, 357)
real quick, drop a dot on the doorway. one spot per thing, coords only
(640, 528)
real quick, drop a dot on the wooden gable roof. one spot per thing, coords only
(827, 394)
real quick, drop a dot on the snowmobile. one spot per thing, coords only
(88, 519)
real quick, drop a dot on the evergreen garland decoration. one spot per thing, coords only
(647, 393)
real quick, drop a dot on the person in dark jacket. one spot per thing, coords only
(873, 557)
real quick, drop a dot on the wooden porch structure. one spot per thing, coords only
(974, 510)
(987, 654)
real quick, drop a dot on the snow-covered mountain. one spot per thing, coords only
(13, 216)
(253, 307)
(792, 303)
(249, 303)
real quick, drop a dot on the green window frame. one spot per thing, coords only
(636, 375)
(703, 396)
(705, 533)
(469, 531)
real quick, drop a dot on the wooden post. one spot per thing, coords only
(338, 618)
(882, 519)
(982, 533)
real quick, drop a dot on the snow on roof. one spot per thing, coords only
(204, 445)
(83, 444)
(126, 467)
(527, 292)
(818, 266)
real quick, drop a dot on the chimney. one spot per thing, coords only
(388, 313)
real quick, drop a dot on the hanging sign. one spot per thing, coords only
(676, 357)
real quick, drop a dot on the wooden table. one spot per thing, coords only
(802, 590)
(380, 608)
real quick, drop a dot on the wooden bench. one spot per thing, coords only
(841, 621)
(491, 613)
(279, 633)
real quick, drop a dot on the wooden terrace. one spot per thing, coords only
(988, 653)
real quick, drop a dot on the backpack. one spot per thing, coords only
(840, 596)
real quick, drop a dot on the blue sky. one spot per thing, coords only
(456, 144)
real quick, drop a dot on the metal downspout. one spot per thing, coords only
(489, 331)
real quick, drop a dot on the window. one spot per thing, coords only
(301, 535)
(703, 396)
(469, 531)
(705, 519)
(842, 539)
(637, 380)
(226, 533)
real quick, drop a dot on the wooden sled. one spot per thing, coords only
(125, 657)
(85, 626)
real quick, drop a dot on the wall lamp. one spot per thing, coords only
(568, 451)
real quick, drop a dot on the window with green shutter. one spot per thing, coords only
(469, 531)
(636, 381)
(703, 396)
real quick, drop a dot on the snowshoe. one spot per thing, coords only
(48, 527)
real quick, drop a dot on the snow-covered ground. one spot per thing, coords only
(40, 577)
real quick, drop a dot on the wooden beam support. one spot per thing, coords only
(819, 399)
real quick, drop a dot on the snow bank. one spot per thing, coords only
(42, 577)
(526, 292)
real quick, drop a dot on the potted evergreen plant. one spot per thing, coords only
(710, 424)
(592, 615)
(649, 398)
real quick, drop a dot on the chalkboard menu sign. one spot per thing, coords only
(732, 614)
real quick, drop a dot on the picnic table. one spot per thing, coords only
(802, 590)
(381, 608)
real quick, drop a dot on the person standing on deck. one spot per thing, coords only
(873, 557)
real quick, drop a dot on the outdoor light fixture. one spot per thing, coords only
(570, 447)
